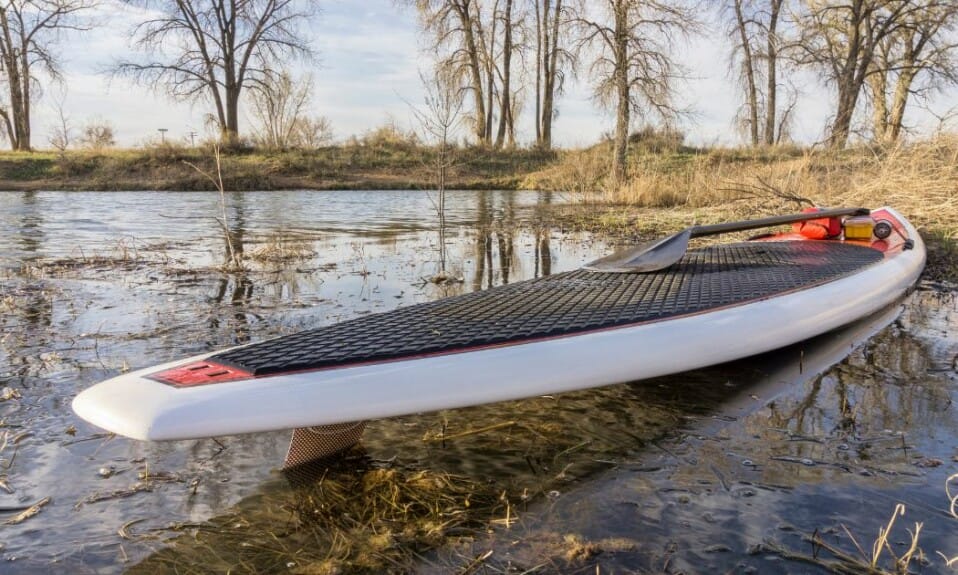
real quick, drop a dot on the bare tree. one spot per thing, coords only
(29, 30)
(313, 131)
(280, 109)
(457, 30)
(630, 42)
(278, 104)
(62, 133)
(213, 49)
(475, 43)
(753, 29)
(843, 37)
(97, 135)
(910, 63)
(505, 99)
(552, 60)
(437, 119)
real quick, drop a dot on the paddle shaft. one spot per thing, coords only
(713, 229)
(662, 253)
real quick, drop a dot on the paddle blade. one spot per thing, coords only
(647, 257)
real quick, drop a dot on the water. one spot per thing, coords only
(690, 473)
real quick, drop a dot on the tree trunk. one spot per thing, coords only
(231, 128)
(487, 50)
(490, 99)
(897, 115)
(14, 59)
(842, 127)
(550, 61)
(749, 65)
(878, 81)
(621, 39)
(24, 143)
(851, 78)
(539, 54)
(475, 70)
(505, 105)
(7, 124)
(910, 66)
(771, 96)
(512, 122)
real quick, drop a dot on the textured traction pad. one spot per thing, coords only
(561, 304)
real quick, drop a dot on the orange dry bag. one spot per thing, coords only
(819, 229)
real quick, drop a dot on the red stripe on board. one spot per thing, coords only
(199, 373)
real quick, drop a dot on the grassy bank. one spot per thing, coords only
(359, 165)
(705, 186)
(695, 185)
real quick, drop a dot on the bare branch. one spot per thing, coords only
(29, 30)
(214, 49)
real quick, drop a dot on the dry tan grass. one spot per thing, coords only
(920, 179)
(278, 248)
(704, 186)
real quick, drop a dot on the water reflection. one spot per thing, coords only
(634, 467)
(694, 471)
(743, 494)
(30, 227)
(95, 284)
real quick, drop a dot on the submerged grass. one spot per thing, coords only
(278, 249)
(880, 559)
(356, 516)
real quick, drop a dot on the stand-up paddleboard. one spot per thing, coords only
(653, 310)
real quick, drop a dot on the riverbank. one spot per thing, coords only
(358, 166)
(673, 187)
(692, 184)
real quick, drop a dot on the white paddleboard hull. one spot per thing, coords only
(141, 408)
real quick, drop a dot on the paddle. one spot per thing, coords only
(660, 254)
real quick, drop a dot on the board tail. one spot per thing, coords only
(310, 444)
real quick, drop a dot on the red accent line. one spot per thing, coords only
(199, 373)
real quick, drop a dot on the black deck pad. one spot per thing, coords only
(562, 304)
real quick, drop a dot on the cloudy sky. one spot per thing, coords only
(370, 54)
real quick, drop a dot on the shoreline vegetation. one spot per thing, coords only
(670, 185)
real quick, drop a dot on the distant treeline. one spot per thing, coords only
(495, 60)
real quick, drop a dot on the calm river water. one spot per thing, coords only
(788, 462)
